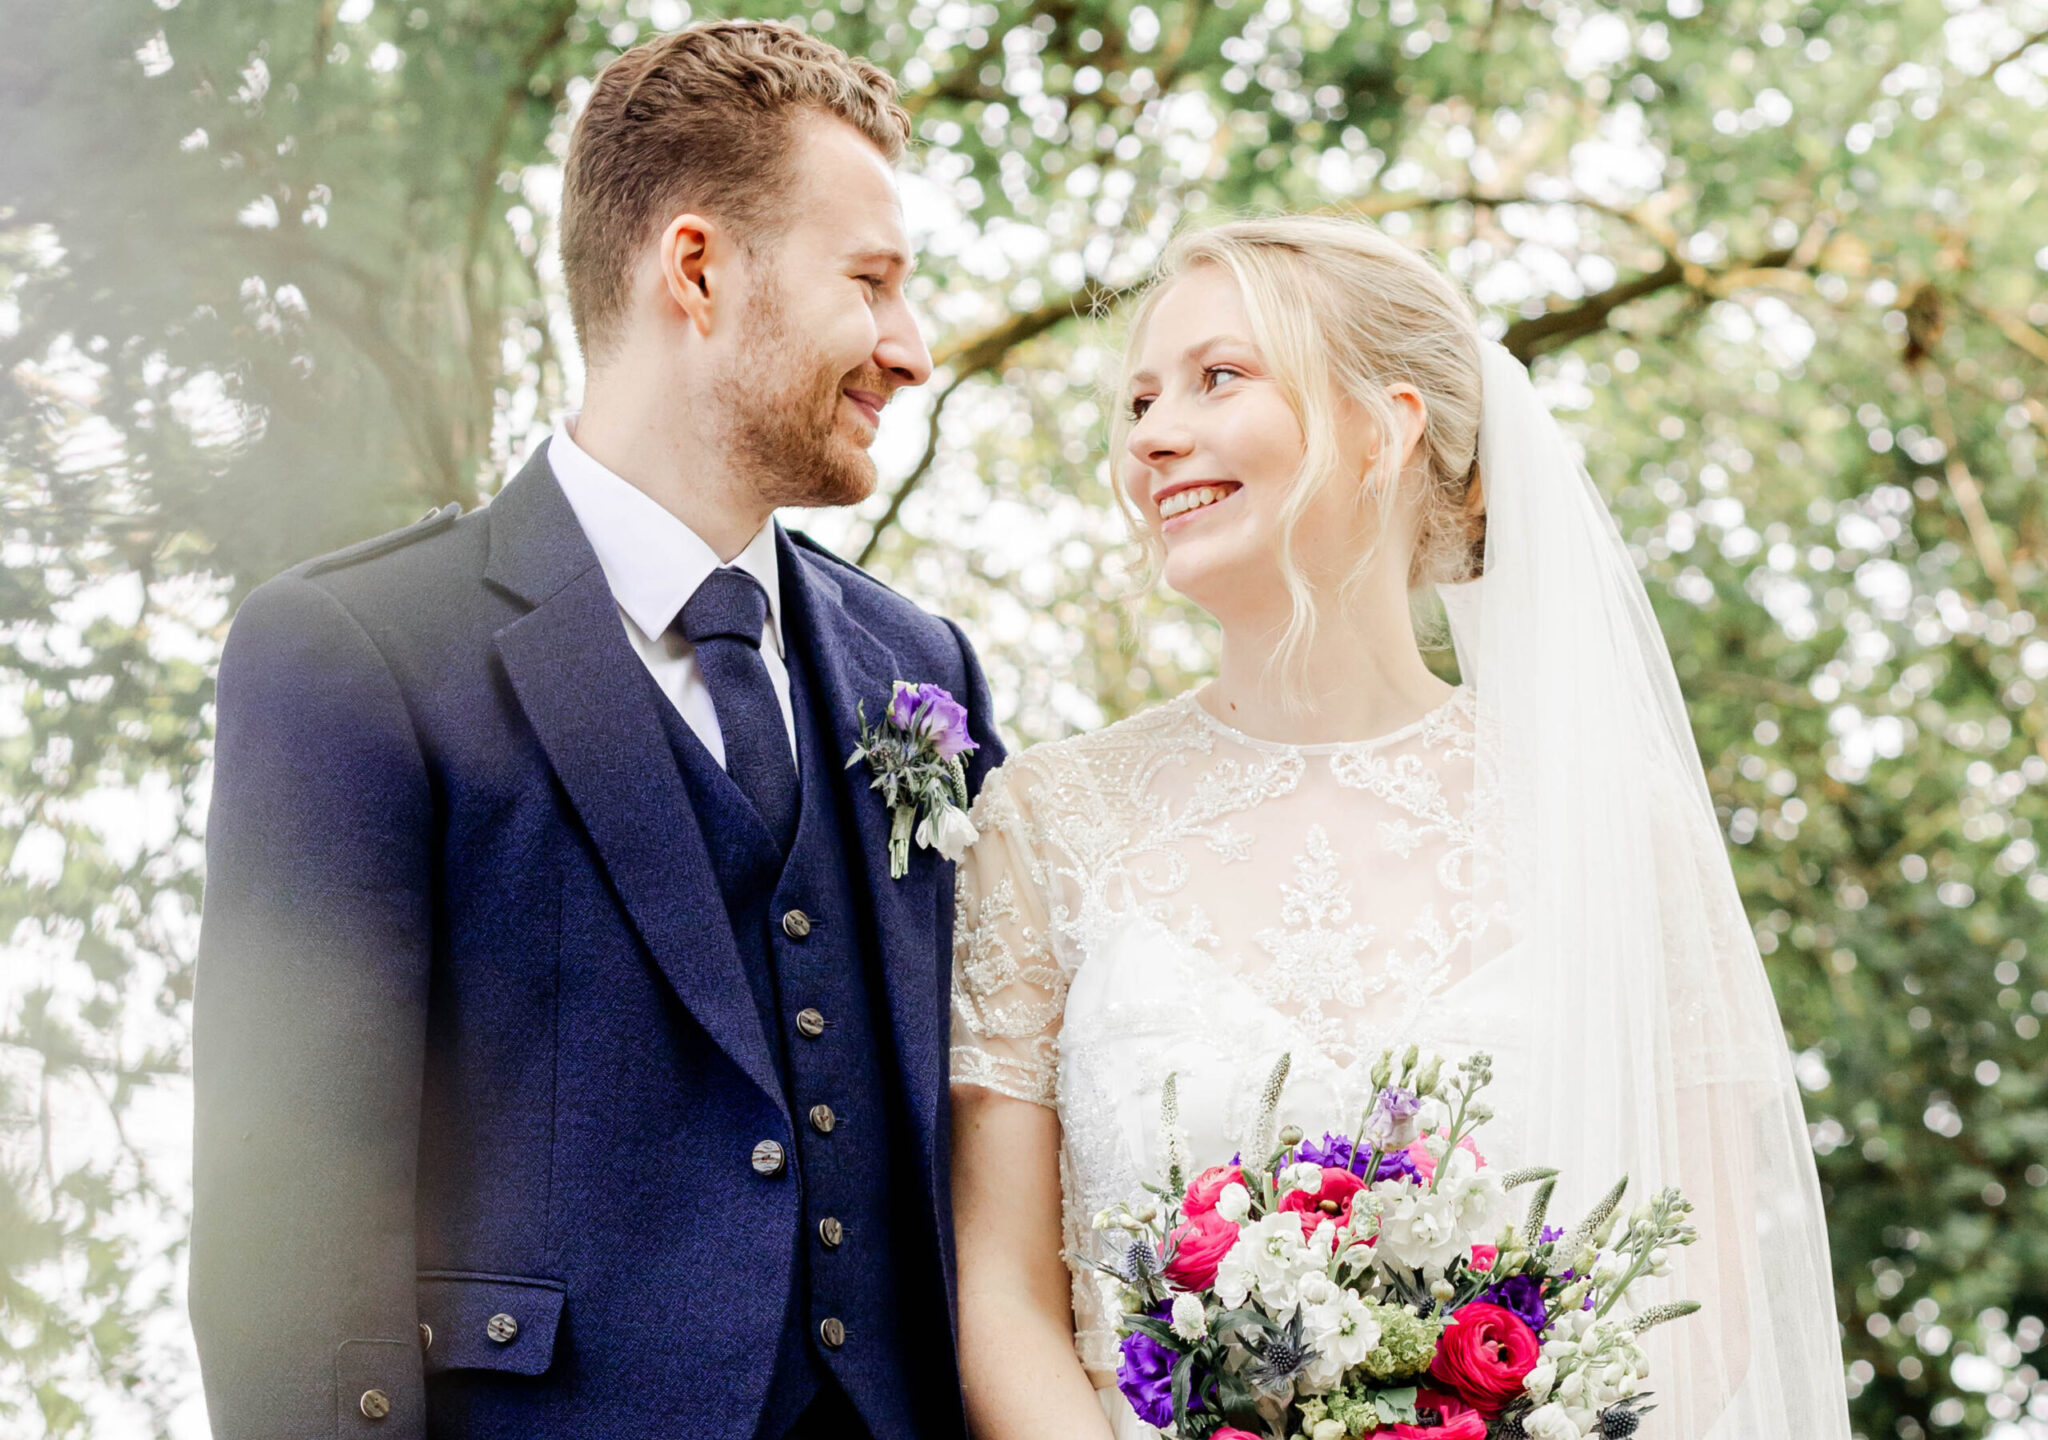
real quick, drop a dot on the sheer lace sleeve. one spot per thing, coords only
(1009, 988)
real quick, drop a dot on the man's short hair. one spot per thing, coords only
(704, 119)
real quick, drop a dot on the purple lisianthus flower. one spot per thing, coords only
(1391, 1124)
(930, 711)
(1338, 1153)
(1145, 1374)
(1396, 1165)
(1551, 1234)
(1521, 1296)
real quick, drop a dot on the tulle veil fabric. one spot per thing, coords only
(1653, 1047)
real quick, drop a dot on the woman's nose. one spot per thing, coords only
(1155, 441)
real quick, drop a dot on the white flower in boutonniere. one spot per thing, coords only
(914, 754)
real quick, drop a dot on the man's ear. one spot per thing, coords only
(693, 256)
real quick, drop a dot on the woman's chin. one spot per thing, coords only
(1219, 575)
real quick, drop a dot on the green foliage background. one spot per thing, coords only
(274, 276)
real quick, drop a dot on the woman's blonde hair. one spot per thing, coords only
(1340, 309)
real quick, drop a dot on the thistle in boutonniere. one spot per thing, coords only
(914, 754)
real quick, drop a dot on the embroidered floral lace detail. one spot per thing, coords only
(1335, 880)
(1168, 894)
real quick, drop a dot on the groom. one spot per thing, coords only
(568, 1063)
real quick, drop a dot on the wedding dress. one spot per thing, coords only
(1533, 869)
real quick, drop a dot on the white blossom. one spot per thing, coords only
(1303, 1175)
(949, 832)
(1418, 1229)
(1340, 1327)
(1190, 1321)
(1234, 1202)
(1269, 1261)
(1550, 1422)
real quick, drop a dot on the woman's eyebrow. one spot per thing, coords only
(1193, 352)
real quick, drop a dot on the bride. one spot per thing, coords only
(1328, 850)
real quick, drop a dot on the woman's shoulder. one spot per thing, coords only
(1080, 769)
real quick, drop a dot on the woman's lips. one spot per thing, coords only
(1197, 499)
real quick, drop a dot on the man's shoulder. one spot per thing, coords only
(870, 601)
(420, 578)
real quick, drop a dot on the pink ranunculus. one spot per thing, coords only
(1425, 1163)
(1199, 1244)
(1455, 1420)
(1331, 1200)
(1231, 1432)
(1483, 1355)
(1484, 1256)
(1205, 1187)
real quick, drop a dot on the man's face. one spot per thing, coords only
(826, 335)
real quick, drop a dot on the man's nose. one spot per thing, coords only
(900, 348)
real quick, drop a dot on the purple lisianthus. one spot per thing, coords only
(1521, 1296)
(1391, 1124)
(930, 711)
(1338, 1153)
(1145, 1374)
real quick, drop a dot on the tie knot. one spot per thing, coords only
(730, 604)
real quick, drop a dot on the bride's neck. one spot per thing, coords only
(1363, 676)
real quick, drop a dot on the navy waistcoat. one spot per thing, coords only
(809, 955)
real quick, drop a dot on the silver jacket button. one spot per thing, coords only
(375, 1404)
(768, 1158)
(502, 1328)
(832, 1332)
(796, 924)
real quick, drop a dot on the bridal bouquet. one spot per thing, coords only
(1366, 1285)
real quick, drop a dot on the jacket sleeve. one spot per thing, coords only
(981, 719)
(309, 1033)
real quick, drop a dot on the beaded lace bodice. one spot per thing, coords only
(1170, 895)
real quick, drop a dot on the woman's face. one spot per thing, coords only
(1215, 451)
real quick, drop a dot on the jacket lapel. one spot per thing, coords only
(854, 668)
(587, 697)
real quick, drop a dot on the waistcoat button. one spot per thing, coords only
(768, 1158)
(426, 1336)
(375, 1404)
(795, 924)
(832, 1332)
(822, 1119)
(502, 1328)
(831, 1232)
(809, 1024)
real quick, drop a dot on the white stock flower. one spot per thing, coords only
(1536, 1384)
(1303, 1175)
(1234, 1202)
(1340, 1327)
(1475, 1194)
(1418, 1229)
(949, 832)
(1269, 1261)
(1189, 1320)
(1550, 1422)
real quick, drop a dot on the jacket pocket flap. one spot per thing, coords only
(489, 1322)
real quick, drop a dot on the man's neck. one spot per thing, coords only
(681, 469)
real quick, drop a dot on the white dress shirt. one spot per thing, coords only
(654, 563)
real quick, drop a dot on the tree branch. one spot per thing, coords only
(909, 482)
(975, 354)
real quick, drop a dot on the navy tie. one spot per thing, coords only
(724, 620)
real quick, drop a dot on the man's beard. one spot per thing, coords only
(782, 416)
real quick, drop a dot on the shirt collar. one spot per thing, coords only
(652, 561)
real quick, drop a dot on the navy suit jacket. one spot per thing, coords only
(472, 1036)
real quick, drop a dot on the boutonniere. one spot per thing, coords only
(914, 754)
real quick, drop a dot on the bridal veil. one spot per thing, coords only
(1652, 1047)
